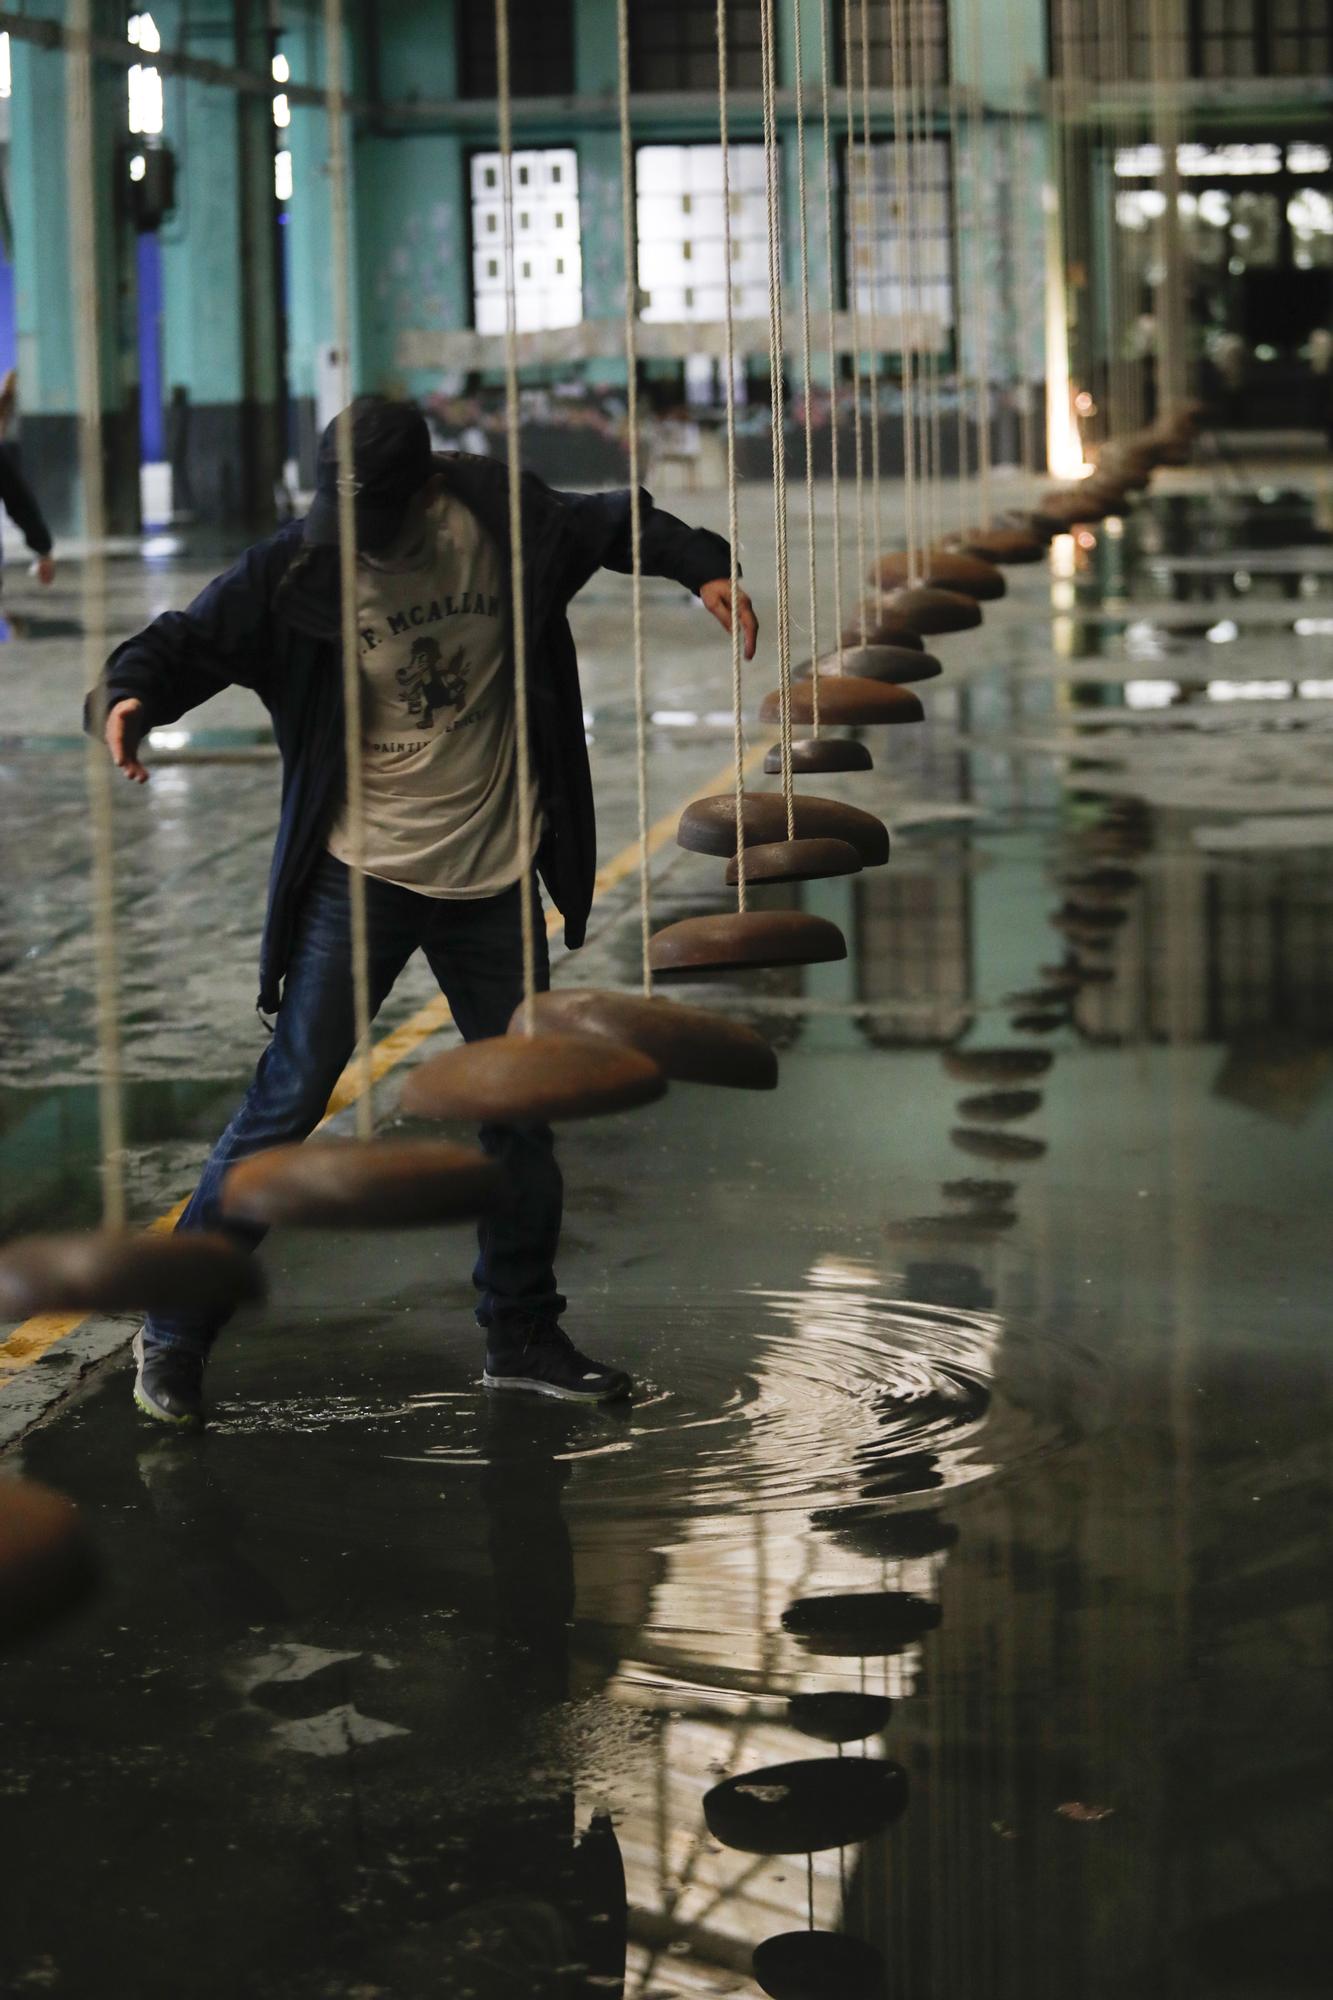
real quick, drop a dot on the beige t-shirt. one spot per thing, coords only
(437, 713)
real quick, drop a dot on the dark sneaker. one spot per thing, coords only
(169, 1385)
(547, 1363)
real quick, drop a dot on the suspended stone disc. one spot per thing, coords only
(743, 941)
(818, 1965)
(846, 700)
(127, 1271)
(998, 1107)
(821, 753)
(867, 1530)
(861, 1624)
(1106, 878)
(1060, 987)
(688, 1044)
(708, 826)
(996, 1145)
(954, 1228)
(899, 664)
(807, 1806)
(931, 610)
(883, 628)
(942, 569)
(1001, 545)
(838, 1716)
(1092, 916)
(532, 1079)
(1081, 973)
(980, 1194)
(1040, 1023)
(47, 1561)
(796, 861)
(362, 1184)
(997, 1065)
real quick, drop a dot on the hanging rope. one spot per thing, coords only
(806, 375)
(982, 304)
(99, 770)
(629, 243)
(733, 510)
(336, 109)
(773, 192)
(901, 124)
(832, 366)
(872, 317)
(854, 254)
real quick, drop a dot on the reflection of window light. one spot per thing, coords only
(145, 91)
(142, 31)
(1315, 690)
(282, 69)
(5, 77)
(1306, 158)
(138, 167)
(1225, 630)
(282, 111)
(1313, 628)
(1153, 202)
(1151, 694)
(282, 176)
(1249, 690)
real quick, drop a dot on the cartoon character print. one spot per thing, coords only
(428, 685)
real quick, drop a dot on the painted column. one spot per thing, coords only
(596, 73)
(45, 303)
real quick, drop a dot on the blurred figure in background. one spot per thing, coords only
(16, 496)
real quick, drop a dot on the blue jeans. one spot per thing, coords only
(475, 951)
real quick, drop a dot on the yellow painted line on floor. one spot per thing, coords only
(30, 1341)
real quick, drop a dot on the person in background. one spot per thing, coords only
(16, 496)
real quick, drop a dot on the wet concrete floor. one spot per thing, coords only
(1003, 1322)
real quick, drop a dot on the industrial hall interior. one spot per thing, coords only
(666, 968)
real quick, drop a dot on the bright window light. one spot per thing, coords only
(138, 167)
(282, 111)
(1249, 690)
(282, 69)
(5, 84)
(143, 33)
(282, 176)
(145, 82)
(548, 254)
(682, 260)
(1151, 694)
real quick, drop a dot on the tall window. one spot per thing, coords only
(673, 45)
(925, 28)
(541, 48)
(548, 264)
(681, 223)
(878, 244)
(1220, 38)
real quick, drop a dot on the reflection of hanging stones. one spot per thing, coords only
(983, 1145)
(818, 1965)
(861, 1624)
(868, 1531)
(997, 1107)
(804, 1807)
(996, 1065)
(839, 1717)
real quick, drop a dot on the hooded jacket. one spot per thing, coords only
(270, 623)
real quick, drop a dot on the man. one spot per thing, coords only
(441, 840)
(20, 503)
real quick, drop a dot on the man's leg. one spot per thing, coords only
(312, 1041)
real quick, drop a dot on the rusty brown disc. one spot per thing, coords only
(1000, 1107)
(688, 1044)
(883, 628)
(846, 701)
(942, 569)
(1070, 506)
(708, 826)
(796, 861)
(997, 1065)
(362, 1184)
(898, 664)
(47, 1561)
(930, 610)
(1001, 545)
(532, 1079)
(743, 941)
(985, 1145)
(821, 753)
(126, 1271)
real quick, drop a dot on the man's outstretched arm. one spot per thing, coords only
(694, 557)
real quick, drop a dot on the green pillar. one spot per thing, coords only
(43, 270)
(222, 359)
(596, 73)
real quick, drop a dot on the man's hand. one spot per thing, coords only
(716, 596)
(45, 569)
(125, 730)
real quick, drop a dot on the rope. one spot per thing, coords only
(522, 748)
(811, 583)
(832, 362)
(979, 283)
(630, 248)
(733, 516)
(99, 770)
(901, 121)
(773, 193)
(872, 328)
(336, 106)
(855, 289)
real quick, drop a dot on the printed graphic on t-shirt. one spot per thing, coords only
(429, 685)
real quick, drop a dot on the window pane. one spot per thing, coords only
(548, 264)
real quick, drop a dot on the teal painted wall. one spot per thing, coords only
(39, 207)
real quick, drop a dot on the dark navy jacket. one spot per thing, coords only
(245, 630)
(20, 503)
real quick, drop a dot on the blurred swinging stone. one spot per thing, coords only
(1082, 973)
(996, 1145)
(743, 941)
(1107, 878)
(997, 1065)
(47, 1561)
(861, 1624)
(997, 1107)
(818, 1965)
(845, 700)
(1093, 916)
(930, 610)
(362, 1184)
(867, 1530)
(796, 861)
(532, 1079)
(1061, 985)
(942, 569)
(1001, 545)
(980, 1194)
(839, 1717)
(688, 1044)
(950, 1228)
(127, 1271)
(821, 753)
(1039, 1023)
(898, 664)
(883, 628)
(708, 826)
(804, 1807)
